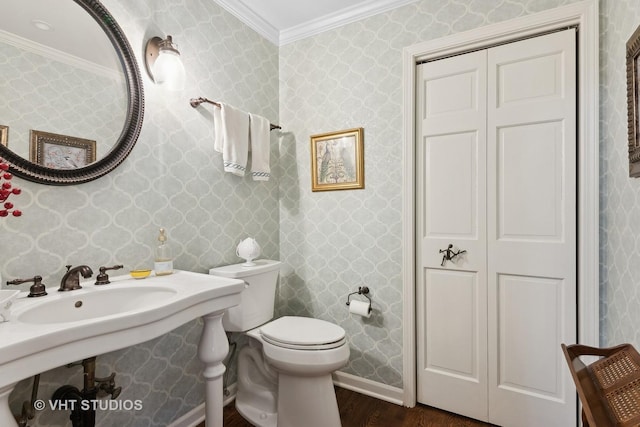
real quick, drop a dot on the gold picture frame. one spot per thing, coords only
(60, 151)
(4, 135)
(337, 160)
(633, 77)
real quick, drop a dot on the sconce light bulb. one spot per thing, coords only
(168, 70)
(163, 63)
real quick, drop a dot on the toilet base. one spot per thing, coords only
(307, 401)
(257, 387)
(256, 416)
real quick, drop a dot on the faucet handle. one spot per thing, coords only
(103, 278)
(36, 290)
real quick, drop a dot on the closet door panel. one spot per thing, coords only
(531, 230)
(458, 216)
(525, 337)
(451, 194)
(530, 182)
(452, 341)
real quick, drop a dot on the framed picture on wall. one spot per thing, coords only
(60, 151)
(4, 135)
(633, 70)
(337, 160)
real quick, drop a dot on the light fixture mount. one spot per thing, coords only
(151, 54)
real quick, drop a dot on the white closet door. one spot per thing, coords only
(532, 230)
(497, 178)
(452, 318)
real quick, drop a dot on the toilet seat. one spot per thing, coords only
(303, 333)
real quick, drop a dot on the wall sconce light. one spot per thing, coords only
(162, 60)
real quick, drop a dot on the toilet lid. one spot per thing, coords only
(303, 333)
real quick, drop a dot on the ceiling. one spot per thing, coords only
(285, 21)
(57, 29)
(279, 21)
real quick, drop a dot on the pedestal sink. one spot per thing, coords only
(87, 304)
(64, 327)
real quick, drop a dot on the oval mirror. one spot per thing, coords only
(73, 101)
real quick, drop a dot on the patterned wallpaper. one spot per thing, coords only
(87, 105)
(173, 178)
(333, 242)
(619, 194)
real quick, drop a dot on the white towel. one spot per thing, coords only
(218, 135)
(232, 138)
(260, 132)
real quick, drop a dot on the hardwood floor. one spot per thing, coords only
(358, 410)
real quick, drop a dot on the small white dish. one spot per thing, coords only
(6, 300)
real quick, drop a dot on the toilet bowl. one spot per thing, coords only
(302, 345)
(284, 372)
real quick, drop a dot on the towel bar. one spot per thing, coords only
(197, 101)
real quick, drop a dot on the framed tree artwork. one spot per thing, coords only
(337, 160)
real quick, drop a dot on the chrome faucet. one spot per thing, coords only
(71, 280)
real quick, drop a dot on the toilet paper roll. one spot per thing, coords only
(360, 308)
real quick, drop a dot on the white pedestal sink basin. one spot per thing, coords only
(93, 303)
(64, 327)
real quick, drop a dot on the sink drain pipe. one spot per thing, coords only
(71, 397)
(27, 406)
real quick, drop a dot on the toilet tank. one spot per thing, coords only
(258, 297)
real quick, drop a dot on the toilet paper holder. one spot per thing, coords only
(362, 290)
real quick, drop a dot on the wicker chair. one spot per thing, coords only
(609, 388)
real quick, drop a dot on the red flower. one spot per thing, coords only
(6, 190)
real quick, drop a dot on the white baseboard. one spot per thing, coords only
(191, 418)
(368, 387)
(341, 379)
(197, 414)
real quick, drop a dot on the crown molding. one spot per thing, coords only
(58, 55)
(339, 18)
(323, 23)
(252, 19)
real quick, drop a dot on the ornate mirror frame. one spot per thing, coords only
(131, 130)
(633, 68)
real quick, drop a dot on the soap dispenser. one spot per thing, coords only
(163, 261)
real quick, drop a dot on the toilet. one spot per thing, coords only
(284, 372)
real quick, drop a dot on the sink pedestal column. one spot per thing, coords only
(6, 417)
(212, 350)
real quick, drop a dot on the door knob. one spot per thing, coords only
(449, 254)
